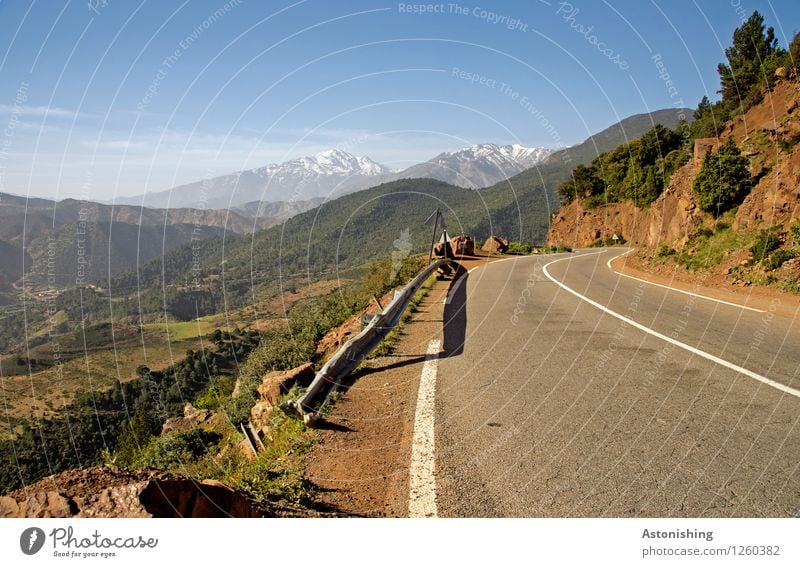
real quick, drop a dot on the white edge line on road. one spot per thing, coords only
(422, 472)
(677, 289)
(648, 330)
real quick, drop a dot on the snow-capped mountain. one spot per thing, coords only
(478, 166)
(333, 173)
(300, 179)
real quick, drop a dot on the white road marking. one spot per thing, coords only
(693, 350)
(676, 289)
(422, 473)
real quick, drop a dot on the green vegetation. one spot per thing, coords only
(289, 347)
(637, 171)
(609, 241)
(723, 180)
(389, 343)
(766, 241)
(556, 249)
(123, 419)
(777, 259)
(176, 449)
(521, 248)
(794, 230)
(709, 119)
(708, 247)
(752, 60)
(276, 474)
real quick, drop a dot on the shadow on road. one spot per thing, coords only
(455, 315)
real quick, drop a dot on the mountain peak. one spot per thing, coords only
(479, 165)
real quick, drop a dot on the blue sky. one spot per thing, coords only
(113, 97)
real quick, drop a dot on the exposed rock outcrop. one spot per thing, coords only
(103, 492)
(495, 244)
(192, 417)
(463, 245)
(273, 386)
(760, 133)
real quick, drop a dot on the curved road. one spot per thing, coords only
(565, 389)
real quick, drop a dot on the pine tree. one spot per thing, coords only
(751, 48)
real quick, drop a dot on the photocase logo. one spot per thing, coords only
(31, 541)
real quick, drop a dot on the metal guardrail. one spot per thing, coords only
(330, 376)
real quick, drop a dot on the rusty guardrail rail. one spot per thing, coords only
(330, 376)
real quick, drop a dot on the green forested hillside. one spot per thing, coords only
(113, 238)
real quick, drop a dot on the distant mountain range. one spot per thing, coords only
(301, 179)
(333, 173)
(478, 166)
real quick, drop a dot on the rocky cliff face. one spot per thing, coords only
(103, 492)
(768, 134)
(671, 216)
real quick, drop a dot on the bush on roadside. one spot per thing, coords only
(520, 248)
(176, 449)
(767, 241)
(556, 248)
(777, 259)
(664, 251)
(794, 230)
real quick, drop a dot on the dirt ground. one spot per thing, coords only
(360, 465)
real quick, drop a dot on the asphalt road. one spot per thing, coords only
(547, 405)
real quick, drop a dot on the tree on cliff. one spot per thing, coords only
(724, 179)
(752, 60)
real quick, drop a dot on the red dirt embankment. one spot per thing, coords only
(775, 200)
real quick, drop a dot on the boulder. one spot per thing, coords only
(275, 384)
(463, 245)
(260, 415)
(495, 244)
(192, 417)
(49, 504)
(781, 72)
(104, 492)
(443, 250)
(184, 498)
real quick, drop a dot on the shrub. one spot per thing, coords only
(765, 243)
(597, 201)
(664, 251)
(523, 248)
(212, 397)
(786, 144)
(177, 448)
(794, 230)
(777, 259)
(723, 180)
(556, 248)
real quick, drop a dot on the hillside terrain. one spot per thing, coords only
(675, 232)
(353, 229)
(88, 241)
(182, 326)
